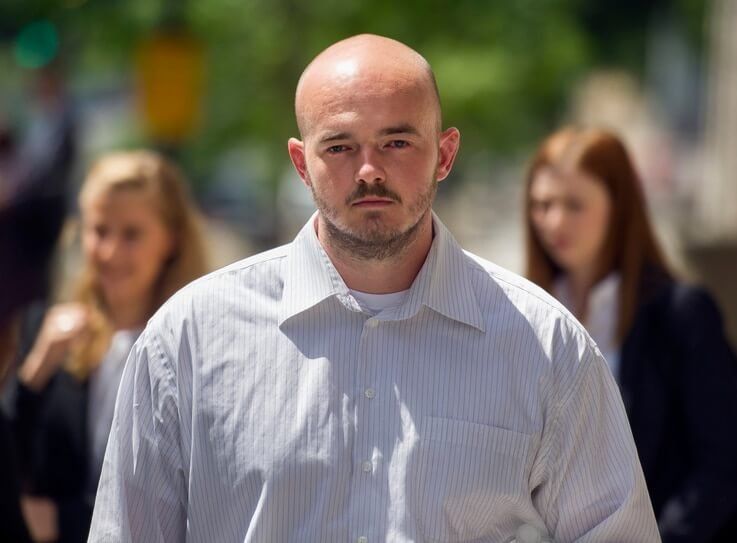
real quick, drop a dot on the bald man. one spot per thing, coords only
(370, 381)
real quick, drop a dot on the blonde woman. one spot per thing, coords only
(141, 242)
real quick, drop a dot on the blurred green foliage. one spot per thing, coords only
(504, 67)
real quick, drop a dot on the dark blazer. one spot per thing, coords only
(12, 526)
(678, 378)
(51, 428)
(30, 224)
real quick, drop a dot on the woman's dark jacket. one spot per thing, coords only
(51, 428)
(12, 526)
(678, 378)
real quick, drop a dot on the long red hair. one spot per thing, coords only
(630, 247)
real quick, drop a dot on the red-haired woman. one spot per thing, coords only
(589, 242)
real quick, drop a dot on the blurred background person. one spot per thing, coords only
(9, 163)
(141, 242)
(12, 525)
(35, 173)
(589, 243)
(21, 284)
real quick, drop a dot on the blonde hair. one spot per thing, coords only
(163, 182)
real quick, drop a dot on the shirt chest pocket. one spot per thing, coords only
(470, 479)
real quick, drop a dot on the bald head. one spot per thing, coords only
(373, 66)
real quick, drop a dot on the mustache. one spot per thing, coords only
(380, 191)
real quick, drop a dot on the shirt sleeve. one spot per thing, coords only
(594, 489)
(141, 496)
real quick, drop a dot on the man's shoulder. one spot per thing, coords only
(249, 269)
(513, 286)
(229, 285)
(515, 305)
(261, 262)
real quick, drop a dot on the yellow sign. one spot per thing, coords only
(170, 73)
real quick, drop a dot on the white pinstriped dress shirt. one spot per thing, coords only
(261, 404)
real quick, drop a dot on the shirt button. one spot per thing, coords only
(370, 393)
(362, 539)
(367, 466)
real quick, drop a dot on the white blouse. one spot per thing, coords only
(601, 315)
(103, 389)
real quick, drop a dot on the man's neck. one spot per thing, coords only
(383, 276)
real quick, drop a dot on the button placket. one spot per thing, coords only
(365, 487)
(365, 368)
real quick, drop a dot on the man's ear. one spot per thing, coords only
(297, 154)
(450, 141)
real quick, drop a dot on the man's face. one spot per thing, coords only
(372, 157)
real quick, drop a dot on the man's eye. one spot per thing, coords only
(333, 149)
(399, 144)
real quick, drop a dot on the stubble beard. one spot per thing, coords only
(374, 241)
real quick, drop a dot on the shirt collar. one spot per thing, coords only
(309, 277)
(443, 284)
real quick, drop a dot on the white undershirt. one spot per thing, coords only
(601, 315)
(376, 303)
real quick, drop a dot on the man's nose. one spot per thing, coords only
(370, 168)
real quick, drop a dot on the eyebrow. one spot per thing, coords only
(400, 129)
(335, 137)
(391, 130)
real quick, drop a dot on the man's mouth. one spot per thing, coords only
(372, 202)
